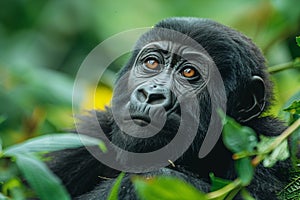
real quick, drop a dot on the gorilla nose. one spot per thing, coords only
(153, 95)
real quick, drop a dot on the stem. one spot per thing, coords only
(243, 154)
(281, 67)
(277, 141)
(233, 193)
(236, 184)
(224, 190)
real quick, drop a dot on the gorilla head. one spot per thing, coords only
(180, 72)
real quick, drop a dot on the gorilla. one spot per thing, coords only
(162, 119)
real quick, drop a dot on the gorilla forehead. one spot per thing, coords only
(227, 47)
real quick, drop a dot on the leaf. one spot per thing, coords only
(238, 138)
(40, 178)
(2, 197)
(246, 195)
(291, 191)
(54, 142)
(287, 111)
(294, 111)
(294, 108)
(217, 183)
(244, 170)
(298, 40)
(279, 153)
(264, 143)
(166, 188)
(114, 193)
(227, 192)
(1, 148)
(295, 148)
(2, 118)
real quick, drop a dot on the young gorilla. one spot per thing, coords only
(165, 88)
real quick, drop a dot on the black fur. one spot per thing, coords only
(238, 60)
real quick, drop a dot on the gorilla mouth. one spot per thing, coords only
(140, 120)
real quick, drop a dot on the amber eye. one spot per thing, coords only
(188, 72)
(151, 63)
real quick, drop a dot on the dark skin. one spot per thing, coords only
(161, 82)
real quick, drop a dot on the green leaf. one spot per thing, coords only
(13, 187)
(294, 114)
(40, 178)
(166, 188)
(292, 190)
(2, 118)
(294, 108)
(53, 142)
(246, 195)
(115, 190)
(244, 170)
(2, 197)
(238, 138)
(217, 183)
(1, 148)
(17, 193)
(298, 40)
(264, 143)
(295, 148)
(279, 153)
(287, 111)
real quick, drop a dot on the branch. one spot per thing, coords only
(281, 67)
(236, 184)
(277, 141)
(225, 190)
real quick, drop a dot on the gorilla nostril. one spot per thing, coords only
(154, 99)
(142, 95)
(151, 95)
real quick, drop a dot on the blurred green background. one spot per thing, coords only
(43, 43)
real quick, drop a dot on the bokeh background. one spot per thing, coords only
(43, 43)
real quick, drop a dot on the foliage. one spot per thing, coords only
(24, 161)
(292, 190)
(159, 188)
(242, 140)
(269, 150)
(114, 191)
(44, 42)
(298, 40)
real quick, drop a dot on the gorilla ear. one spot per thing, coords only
(253, 100)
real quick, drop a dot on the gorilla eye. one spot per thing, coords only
(189, 72)
(151, 63)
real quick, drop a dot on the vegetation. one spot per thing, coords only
(43, 44)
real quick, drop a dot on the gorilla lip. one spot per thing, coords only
(139, 120)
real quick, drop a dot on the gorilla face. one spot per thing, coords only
(164, 77)
(173, 82)
(160, 92)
